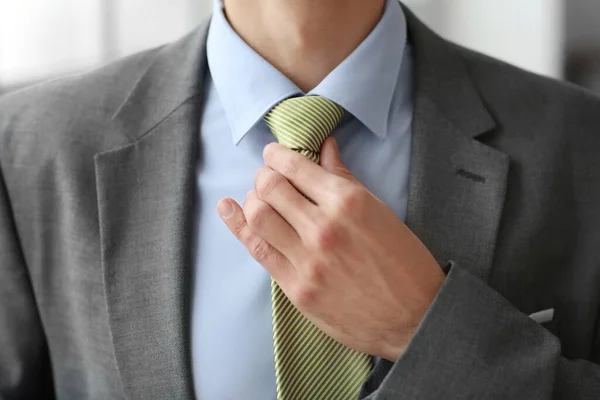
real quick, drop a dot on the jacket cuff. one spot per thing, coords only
(472, 343)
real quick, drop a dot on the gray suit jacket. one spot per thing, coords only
(96, 178)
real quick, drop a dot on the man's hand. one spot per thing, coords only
(339, 253)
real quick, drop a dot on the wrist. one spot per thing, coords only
(395, 347)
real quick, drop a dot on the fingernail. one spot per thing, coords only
(225, 209)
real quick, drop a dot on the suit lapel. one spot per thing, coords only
(457, 183)
(457, 188)
(145, 201)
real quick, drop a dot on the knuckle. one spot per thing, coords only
(238, 227)
(257, 216)
(259, 174)
(266, 183)
(260, 250)
(327, 236)
(352, 201)
(315, 272)
(249, 198)
(305, 296)
(291, 166)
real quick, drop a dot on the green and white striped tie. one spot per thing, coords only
(309, 365)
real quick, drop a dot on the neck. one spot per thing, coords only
(304, 39)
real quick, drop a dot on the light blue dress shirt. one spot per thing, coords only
(231, 332)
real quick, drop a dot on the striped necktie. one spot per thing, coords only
(309, 365)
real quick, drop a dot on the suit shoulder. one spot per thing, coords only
(89, 96)
(40, 119)
(102, 87)
(511, 92)
(541, 122)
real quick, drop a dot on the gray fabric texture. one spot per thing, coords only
(96, 177)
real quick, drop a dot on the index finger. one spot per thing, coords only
(278, 266)
(309, 178)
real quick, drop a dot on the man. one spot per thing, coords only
(119, 279)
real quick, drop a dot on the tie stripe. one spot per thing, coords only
(309, 365)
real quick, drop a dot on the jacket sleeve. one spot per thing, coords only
(473, 344)
(24, 361)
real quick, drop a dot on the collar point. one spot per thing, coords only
(378, 126)
(381, 133)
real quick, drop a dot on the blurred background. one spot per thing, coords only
(44, 39)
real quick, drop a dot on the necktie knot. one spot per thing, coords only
(303, 123)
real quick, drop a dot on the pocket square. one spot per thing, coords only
(541, 317)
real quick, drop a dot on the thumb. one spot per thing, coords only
(331, 160)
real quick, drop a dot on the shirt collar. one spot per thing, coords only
(364, 83)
